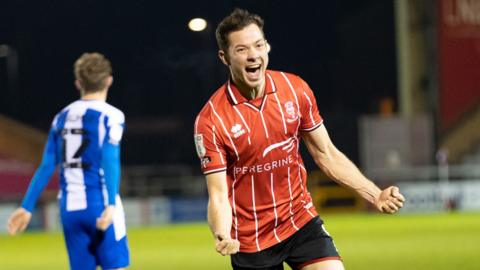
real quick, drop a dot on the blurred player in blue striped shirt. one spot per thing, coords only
(84, 140)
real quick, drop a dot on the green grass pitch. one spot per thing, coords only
(433, 241)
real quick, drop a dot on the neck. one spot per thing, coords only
(100, 95)
(249, 92)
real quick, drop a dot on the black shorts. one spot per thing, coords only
(309, 245)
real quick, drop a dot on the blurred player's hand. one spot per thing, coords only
(226, 245)
(106, 218)
(18, 221)
(390, 200)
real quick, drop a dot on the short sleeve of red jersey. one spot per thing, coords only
(311, 118)
(209, 146)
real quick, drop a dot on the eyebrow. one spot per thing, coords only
(245, 45)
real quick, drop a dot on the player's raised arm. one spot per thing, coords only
(20, 218)
(339, 168)
(220, 213)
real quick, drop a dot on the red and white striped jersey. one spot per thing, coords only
(257, 143)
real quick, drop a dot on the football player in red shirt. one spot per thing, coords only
(247, 138)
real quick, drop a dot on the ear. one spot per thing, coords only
(78, 85)
(109, 81)
(268, 47)
(223, 57)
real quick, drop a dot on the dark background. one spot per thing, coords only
(164, 73)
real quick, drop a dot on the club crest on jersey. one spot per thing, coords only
(290, 110)
(237, 130)
(199, 145)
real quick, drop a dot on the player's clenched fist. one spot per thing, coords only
(390, 200)
(226, 245)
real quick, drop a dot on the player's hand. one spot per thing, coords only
(18, 221)
(226, 245)
(106, 218)
(390, 200)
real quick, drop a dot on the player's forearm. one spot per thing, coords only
(111, 169)
(38, 183)
(219, 217)
(340, 169)
(42, 175)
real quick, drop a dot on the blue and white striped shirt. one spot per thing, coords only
(84, 140)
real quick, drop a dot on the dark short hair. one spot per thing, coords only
(91, 70)
(237, 20)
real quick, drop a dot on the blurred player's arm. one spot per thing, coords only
(220, 213)
(20, 218)
(339, 168)
(111, 171)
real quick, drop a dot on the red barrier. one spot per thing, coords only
(15, 177)
(459, 59)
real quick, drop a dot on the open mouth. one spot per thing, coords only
(252, 69)
(253, 72)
